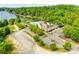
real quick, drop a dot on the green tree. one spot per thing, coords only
(20, 25)
(5, 22)
(17, 20)
(76, 23)
(75, 35)
(36, 38)
(53, 46)
(67, 46)
(1, 24)
(7, 30)
(11, 21)
(1, 32)
(68, 30)
(8, 48)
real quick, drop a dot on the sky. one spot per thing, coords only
(28, 3)
(23, 5)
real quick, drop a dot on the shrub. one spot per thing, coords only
(11, 21)
(17, 20)
(6, 48)
(71, 32)
(53, 46)
(36, 30)
(36, 38)
(21, 25)
(68, 30)
(5, 22)
(41, 43)
(6, 31)
(67, 46)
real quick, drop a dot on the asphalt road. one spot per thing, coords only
(23, 42)
(56, 33)
(54, 36)
(26, 45)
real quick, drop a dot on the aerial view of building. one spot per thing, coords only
(39, 30)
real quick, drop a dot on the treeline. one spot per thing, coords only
(60, 14)
(66, 16)
(5, 25)
(5, 30)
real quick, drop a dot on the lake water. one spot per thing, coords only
(6, 15)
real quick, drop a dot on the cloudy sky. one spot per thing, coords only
(28, 3)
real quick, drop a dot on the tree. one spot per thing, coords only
(36, 38)
(41, 43)
(36, 30)
(53, 46)
(8, 48)
(5, 22)
(76, 23)
(1, 32)
(75, 35)
(20, 25)
(6, 31)
(67, 46)
(71, 32)
(1, 39)
(68, 30)
(17, 20)
(11, 21)
(1, 24)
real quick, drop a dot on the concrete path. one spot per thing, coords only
(25, 44)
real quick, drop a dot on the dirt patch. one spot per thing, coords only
(63, 37)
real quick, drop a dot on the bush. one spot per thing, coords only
(67, 46)
(21, 25)
(36, 38)
(1, 32)
(2, 39)
(36, 30)
(6, 31)
(41, 43)
(68, 30)
(71, 32)
(6, 48)
(1, 24)
(5, 22)
(53, 46)
(17, 20)
(11, 21)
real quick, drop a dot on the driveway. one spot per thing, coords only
(54, 36)
(25, 44)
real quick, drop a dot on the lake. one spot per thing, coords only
(6, 15)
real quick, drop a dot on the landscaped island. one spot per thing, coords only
(55, 28)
